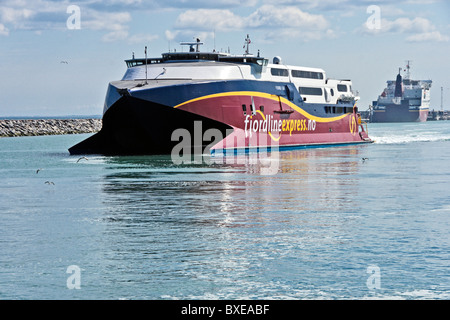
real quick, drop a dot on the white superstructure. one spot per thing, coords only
(312, 83)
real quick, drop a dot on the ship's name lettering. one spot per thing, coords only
(273, 125)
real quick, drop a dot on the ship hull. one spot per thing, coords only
(399, 113)
(217, 123)
(133, 126)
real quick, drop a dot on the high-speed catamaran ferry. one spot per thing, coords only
(218, 103)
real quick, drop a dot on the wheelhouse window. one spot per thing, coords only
(310, 91)
(307, 74)
(279, 72)
(342, 88)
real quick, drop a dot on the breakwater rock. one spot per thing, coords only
(41, 127)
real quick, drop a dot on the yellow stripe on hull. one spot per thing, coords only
(266, 96)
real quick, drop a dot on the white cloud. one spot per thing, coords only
(115, 36)
(120, 34)
(96, 20)
(3, 30)
(403, 25)
(277, 21)
(428, 36)
(198, 4)
(11, 15)
(276, 16)
(142, 38)
(33, 15)
(222, 20)
(418, 29)
(171, 35)
(188, 35)
(45, 14)
(345, 5)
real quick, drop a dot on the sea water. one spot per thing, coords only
(352, 222)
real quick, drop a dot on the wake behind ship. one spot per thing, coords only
(403, 100)
(217, 103)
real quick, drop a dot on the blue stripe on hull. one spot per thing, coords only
(177, 94)
(239, 151)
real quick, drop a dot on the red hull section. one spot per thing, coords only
(267, 121)
(423, 116)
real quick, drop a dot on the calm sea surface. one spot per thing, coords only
(318, 224)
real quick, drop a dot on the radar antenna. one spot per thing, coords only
(192, 44)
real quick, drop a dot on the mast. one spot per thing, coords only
(146, 65)
(247, 42)
(408, 66)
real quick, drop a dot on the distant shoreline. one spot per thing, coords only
(43, 127)
(50, 117)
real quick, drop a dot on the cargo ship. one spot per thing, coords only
(403, 100)
(216, 102)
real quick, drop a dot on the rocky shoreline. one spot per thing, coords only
(41, 127)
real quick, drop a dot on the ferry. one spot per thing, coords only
(216, 102)
(403, 100)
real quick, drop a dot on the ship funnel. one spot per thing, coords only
(399, 86)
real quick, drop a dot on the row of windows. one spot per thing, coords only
(310, 91)
(296, 73)
(318, 91)
(279, 72)
(307, 74)
(338, 109)
(328, 109)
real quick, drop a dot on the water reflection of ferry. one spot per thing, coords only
(242, 185)
(242, 102)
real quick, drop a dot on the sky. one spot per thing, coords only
(57, 57)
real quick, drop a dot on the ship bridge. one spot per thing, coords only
(194, 55)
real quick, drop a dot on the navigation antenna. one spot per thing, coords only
(247, 42)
